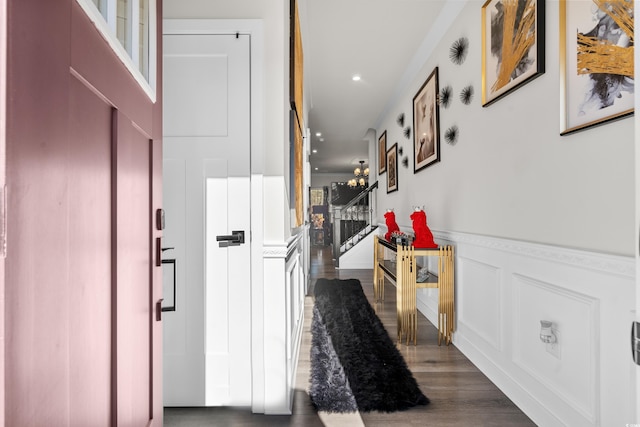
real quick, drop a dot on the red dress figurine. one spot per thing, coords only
(392, 226)
(424, 238)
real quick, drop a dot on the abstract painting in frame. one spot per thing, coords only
(512, 46)
(382, 153)
(596, 63)
(426, 124)
(392, 168)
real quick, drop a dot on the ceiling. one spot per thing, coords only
(376, 39)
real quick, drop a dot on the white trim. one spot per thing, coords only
(606, 263)
(212, 26)
(275, 249)
(108, 33)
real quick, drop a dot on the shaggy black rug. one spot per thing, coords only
(355, 365)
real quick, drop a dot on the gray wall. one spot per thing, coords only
(511, 174)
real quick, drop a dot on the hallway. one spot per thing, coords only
(460, 394)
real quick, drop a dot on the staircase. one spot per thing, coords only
(353, 221)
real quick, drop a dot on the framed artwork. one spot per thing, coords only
(296, 60)
(297, 124)
(296, 167)
(426, 124)
(596, 63)
(512, 46)
(382, 153)
(392, 168)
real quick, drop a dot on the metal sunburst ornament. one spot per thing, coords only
(458, 50)
(466, 95)
(400, 120)
(405, 161)
(407, 132)
(445, 96)
(451, 135)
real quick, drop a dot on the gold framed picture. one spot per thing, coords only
(512, 46)
(596, 63)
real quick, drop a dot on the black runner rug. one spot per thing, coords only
(355, 365)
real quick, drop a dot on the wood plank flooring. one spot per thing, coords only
(460, 394)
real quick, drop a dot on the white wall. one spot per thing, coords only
(543, 227)
(510, 174)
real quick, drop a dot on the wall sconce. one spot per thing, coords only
(546, 333)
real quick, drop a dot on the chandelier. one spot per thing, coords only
(361, 178)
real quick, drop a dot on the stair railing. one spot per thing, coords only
(351, 219)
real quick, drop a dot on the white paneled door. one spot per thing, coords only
(207, 207)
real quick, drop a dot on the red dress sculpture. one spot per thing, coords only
(392, 226)
(424, 237)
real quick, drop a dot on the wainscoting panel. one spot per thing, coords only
(569, 367)
(482, 282)
(504, 288)
(284, 290)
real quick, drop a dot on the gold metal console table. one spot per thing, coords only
(398, 264)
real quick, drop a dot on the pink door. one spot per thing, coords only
(83, 141)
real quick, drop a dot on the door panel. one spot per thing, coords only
(207, 140)
(216, 290)
(216, 120)
(183, 345)
(133, 287)
(208, 97)
(90, 272)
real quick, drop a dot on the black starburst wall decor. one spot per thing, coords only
(451, 135)
(405, 161)
(407, 132)
(445, 96)
(400, 150)
(466, 95)
(458, 50)
(400, 120)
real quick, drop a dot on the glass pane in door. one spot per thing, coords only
(144, 38)
(123, 27)
(102, 6)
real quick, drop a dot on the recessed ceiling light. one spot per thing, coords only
(318, 133)
(314, 151)
(316, 168)
(356, 77)
(321, 140)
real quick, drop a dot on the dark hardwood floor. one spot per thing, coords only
(460, 394)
